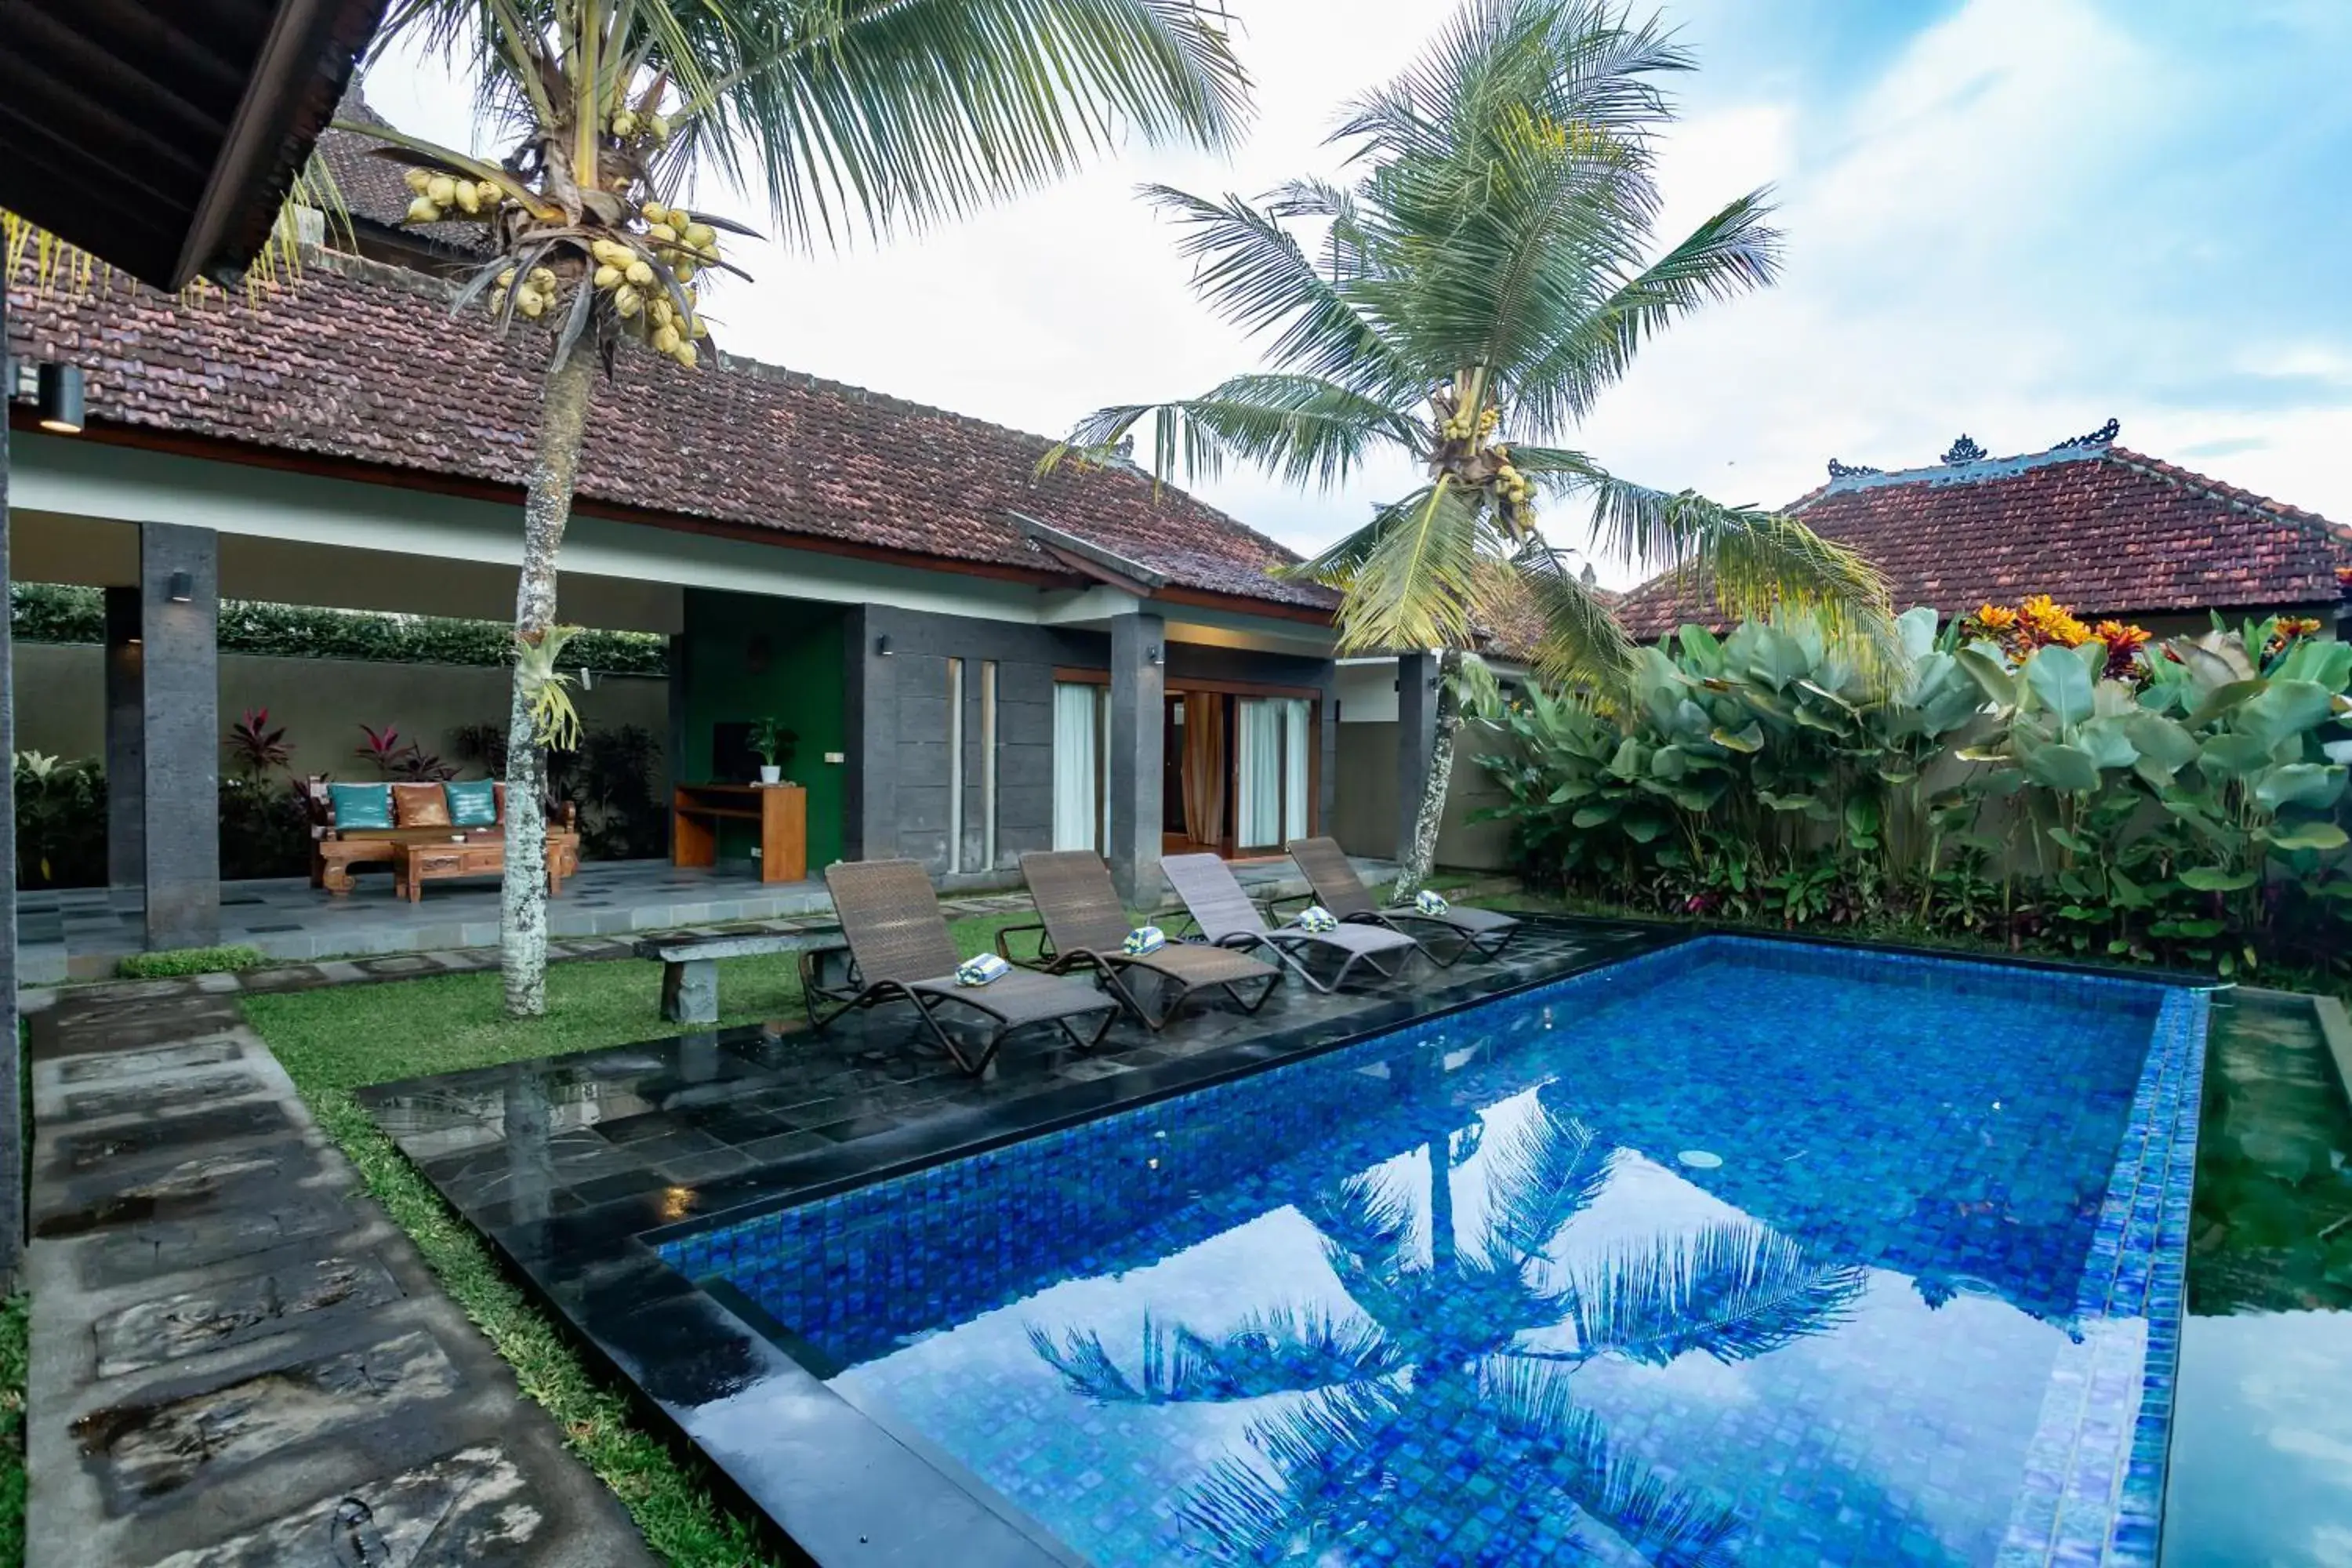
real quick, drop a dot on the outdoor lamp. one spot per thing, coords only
(183, 588)
(1151, 654)
(60, 398)
(882, 646)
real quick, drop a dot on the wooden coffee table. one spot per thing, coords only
(432, 861)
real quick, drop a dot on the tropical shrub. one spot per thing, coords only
(61, 821)
(63, 613)
(2101, 795)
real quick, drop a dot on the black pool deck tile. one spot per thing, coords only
(568, 1163)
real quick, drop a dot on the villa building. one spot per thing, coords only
(978, 660)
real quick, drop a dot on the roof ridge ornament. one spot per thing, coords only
(1849, 470)
(1964, 450)
(2105, 436)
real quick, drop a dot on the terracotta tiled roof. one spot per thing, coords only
(360, 361)
(2106, 530)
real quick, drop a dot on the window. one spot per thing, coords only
(1081, 755)
(955, 765)
(987, 764)
(1272, 769)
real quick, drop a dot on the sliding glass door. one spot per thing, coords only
(1081, 754)
(1272, 771)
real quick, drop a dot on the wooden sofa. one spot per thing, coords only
(335, 850)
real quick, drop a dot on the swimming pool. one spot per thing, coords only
(1738, 1251)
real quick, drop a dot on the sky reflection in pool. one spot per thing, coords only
(1455, 1298)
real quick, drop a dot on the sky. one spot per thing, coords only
(2008, 218)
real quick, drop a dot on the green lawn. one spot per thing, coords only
(335, 1039)
(13, 1346)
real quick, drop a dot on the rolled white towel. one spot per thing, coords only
(983, 970)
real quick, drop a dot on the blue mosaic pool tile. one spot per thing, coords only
(870, 1275)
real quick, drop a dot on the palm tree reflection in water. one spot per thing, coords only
(1468, 1347)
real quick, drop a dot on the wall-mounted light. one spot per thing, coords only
(882, 646)
(60, 398)
(183, 588)
(1152, 655)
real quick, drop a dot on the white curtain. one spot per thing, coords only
(1295, 738)
(1259, 809)
(1077, 814)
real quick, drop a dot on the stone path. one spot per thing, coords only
(237, 1358)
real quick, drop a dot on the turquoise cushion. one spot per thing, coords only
(472, 805)
(361, 805)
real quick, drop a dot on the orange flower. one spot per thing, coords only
(1994, 618)
(2046, 620)
(2124, 644)
(2291, 629)
(2117, 634)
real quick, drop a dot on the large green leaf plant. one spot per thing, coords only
(2194, 812)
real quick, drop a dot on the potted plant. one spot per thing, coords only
(774, 743)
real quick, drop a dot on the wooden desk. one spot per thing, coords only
(781, 810)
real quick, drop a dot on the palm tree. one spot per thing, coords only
(1488, 273)
(847, 114)
(1448, 1339)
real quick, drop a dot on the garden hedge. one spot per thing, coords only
(58, 612)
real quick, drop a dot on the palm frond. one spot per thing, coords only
(1733, 1290)
(848, 114)
(1278, 1351)
(1756, 562)
(1582, 642)
(1556, 1447)
(901, 113)
(1366, 1215)
(1410, 576)
(1732, 252)
(1254, 272)
(1540, 1174)
(1305, 431)
(1318, 1477)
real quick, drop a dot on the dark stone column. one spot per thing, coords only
(126, 756)
(678, 679)
(11, 1109)
(1416, 739)
(1138, 688)
(181, 701)
(871, 717)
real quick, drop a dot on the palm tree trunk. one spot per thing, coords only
(1420, 855)
(522, 900)
(1442, 1248)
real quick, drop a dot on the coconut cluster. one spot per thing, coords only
(1463, 427)
(628, 124)
(438, 197)
(647, 279)
(1513, 488)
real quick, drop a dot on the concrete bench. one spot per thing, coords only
(689, 991)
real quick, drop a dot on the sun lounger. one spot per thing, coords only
(1341, 890)
(900, 951)
(1083, 924)
(1227, 919)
